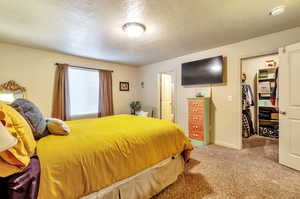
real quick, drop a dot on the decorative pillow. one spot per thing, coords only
(19, 155)
(57, 126)
(33, 116)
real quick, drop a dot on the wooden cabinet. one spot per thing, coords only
(198, 119)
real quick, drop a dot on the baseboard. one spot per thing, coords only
(229, 145)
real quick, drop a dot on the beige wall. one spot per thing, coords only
(250, 68)
(226, 113)
(34, 69)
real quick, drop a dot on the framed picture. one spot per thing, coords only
(124, 86)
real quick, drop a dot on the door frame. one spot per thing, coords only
(240, 109)
(174, 93)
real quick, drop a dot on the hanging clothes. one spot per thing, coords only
(247, 102)
(248, 129)
(274, 94)
(247, 96)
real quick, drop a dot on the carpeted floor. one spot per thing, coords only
(251, 173)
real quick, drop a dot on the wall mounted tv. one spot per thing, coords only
(205, 71)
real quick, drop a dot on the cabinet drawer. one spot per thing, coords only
(196, 103)
(196, 118)
(196, 135)
(196, 107)
(196, 127)
(194, 111)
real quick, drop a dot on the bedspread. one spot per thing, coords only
(100, 152)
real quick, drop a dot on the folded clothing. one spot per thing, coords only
(266, 114)
(269, 131)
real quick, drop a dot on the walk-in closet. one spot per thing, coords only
(260, 86)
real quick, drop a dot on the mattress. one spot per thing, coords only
(145, 184)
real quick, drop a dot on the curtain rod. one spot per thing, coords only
(86, 67)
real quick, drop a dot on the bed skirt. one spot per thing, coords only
(145, 184)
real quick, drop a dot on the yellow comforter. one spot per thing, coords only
(100, 152)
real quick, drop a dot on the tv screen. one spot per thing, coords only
(205, 71)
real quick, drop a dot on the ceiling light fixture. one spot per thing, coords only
(277, 10)
(134, 29)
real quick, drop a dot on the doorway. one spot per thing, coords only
(259, 94)
(167, 96)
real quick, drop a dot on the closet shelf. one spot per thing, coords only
(268, 107)
(266, 79)
(264, 92)
(266, 124)
(273, 121)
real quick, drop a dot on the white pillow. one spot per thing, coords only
(57, 126)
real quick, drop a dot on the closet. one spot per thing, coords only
(260, 96)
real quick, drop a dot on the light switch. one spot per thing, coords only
(229, 98)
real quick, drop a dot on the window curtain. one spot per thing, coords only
(61, 103)
(105, 94)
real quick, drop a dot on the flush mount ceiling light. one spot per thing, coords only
(277, 10)
(134, 29)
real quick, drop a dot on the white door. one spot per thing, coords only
(289, 105)
(166, 98)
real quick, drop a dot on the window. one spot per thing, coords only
(83, 92)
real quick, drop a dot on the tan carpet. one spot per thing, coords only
(251, 173)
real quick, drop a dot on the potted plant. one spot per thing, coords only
(135, 106)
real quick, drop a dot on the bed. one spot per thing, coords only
(116, 157)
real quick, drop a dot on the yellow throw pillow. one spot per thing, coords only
(20, 154)
(57, 126)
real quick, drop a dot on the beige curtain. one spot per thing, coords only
(61, 103)
(106, 95)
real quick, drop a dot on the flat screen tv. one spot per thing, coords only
(205, 71)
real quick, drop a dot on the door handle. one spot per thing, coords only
(282, 112)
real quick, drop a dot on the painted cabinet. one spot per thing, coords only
(198, 118)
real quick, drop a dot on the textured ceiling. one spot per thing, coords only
(92, 28)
